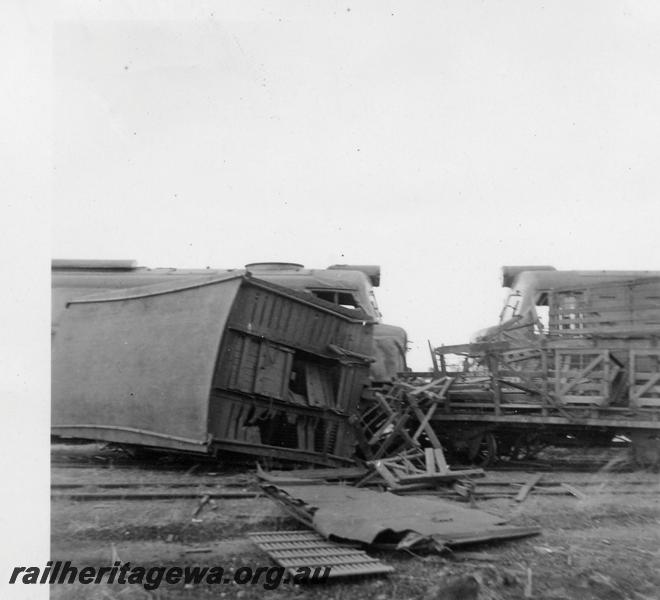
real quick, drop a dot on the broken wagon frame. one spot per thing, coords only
(210, 364)
(593, 368)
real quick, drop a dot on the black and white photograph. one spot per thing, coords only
(331, 300)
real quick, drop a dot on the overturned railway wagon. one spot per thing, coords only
(211, 364)
(349, 286)
(576, 355)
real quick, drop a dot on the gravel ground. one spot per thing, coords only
(606, 545)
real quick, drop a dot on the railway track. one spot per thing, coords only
(200, 470)
(129, 495)
(137, 485)
(563, 466)
(133, 485)
(76, 477)
(139, 464)
(197, 478)
(482, 491)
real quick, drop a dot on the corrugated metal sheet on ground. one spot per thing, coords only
(368, 516)
(351, 513)
(296, 549)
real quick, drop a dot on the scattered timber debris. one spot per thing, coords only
(575, 349)
(418, 469)
(307, 549)
(387, 416)
(383, 518)
(300, 476)
(395, 422)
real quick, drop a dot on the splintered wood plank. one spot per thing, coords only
(430, 461)
(441, 477)
(425, 422)
(574, 491)
(525, 489)
(443, 467)
(386, 474)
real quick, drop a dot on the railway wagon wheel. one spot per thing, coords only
(521, 446)
(645, 447)
(483, 450)
(508, 447)
(531, 444)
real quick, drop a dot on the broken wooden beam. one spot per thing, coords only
(440, 477)
(440, 460)
(204, 500)
(339, 473)
(386, 474)
(574, 491)
(429, 460)
(527, 488)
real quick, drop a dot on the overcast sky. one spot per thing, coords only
(440, 140)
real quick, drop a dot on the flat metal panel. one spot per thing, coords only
(362, 514)
(69, 286)
(138, 364)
